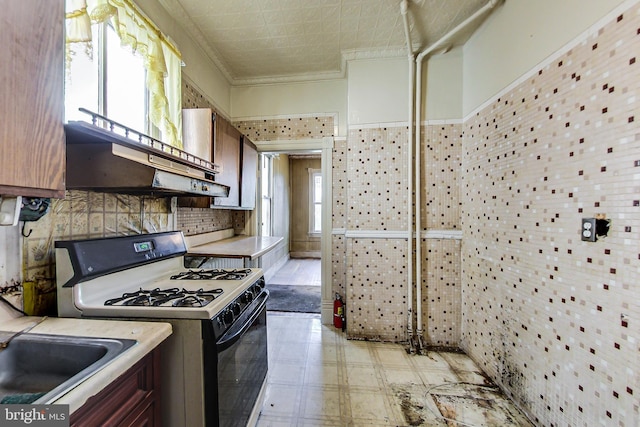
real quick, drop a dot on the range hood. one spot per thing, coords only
(106, 156)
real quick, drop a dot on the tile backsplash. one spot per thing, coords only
(287, 128)
(84, 215)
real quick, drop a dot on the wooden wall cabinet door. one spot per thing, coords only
(248, 177)
(32, 141)
(198, 133)
(226, 154)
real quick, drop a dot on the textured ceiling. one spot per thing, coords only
(257, 41)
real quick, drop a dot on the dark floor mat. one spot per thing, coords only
(300, 299)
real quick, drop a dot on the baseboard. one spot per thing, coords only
(268, 274)
(308, 254)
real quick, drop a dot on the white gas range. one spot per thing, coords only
(219, 338)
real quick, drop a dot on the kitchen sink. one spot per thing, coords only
(39, 368)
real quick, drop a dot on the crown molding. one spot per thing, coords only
(175, 9)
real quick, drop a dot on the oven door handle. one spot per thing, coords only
(227, 341)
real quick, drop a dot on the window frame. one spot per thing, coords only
(101, 58)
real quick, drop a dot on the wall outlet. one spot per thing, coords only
(588, 229)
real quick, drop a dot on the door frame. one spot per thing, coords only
(325, 145)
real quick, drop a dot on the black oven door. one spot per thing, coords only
(241, 365)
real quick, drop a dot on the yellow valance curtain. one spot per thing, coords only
(145, 39)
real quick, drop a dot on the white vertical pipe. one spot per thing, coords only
(403, 10)
(418, 201)
(438, 44)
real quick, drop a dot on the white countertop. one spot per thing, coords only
(148, 334)
(250, 247)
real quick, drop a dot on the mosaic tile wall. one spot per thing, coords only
(440, 176)
(339, 217)
(339, 266)
(377, 179)
(204, 220)
(83, 215)
(440, 210)
(376, 294)
(553, 319)
(441, 292)
(374, 183)
(197, 221)
(375, 190)
(339, 182)
(303, 127)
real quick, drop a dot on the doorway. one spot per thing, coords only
(296, 286)
(305, 268)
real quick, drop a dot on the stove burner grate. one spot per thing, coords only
(158, 297)
(214, 274)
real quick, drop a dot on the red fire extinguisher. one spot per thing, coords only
(338, 312)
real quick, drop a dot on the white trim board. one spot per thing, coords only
(396, 234)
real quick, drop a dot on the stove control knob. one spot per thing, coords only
(235, 308)
(227, 317)
(247, 297)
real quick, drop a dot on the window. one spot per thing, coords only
(110, 82)
(121, 66)
(266, 190)
(315, 201)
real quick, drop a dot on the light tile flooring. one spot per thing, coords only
(319, 378)
(298, 271)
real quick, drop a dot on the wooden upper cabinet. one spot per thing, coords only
(226, 154)
(234, 154)
(249, 174)
(32, 141)
(198, 131)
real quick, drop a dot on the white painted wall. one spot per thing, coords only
(272, 100)
(519, 35)
(378, 91)
(443, 89)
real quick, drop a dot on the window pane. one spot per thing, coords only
(317, 218)
(265, 175)
(317, 188)
(125, 85)
(81, 86)
(266, 217)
